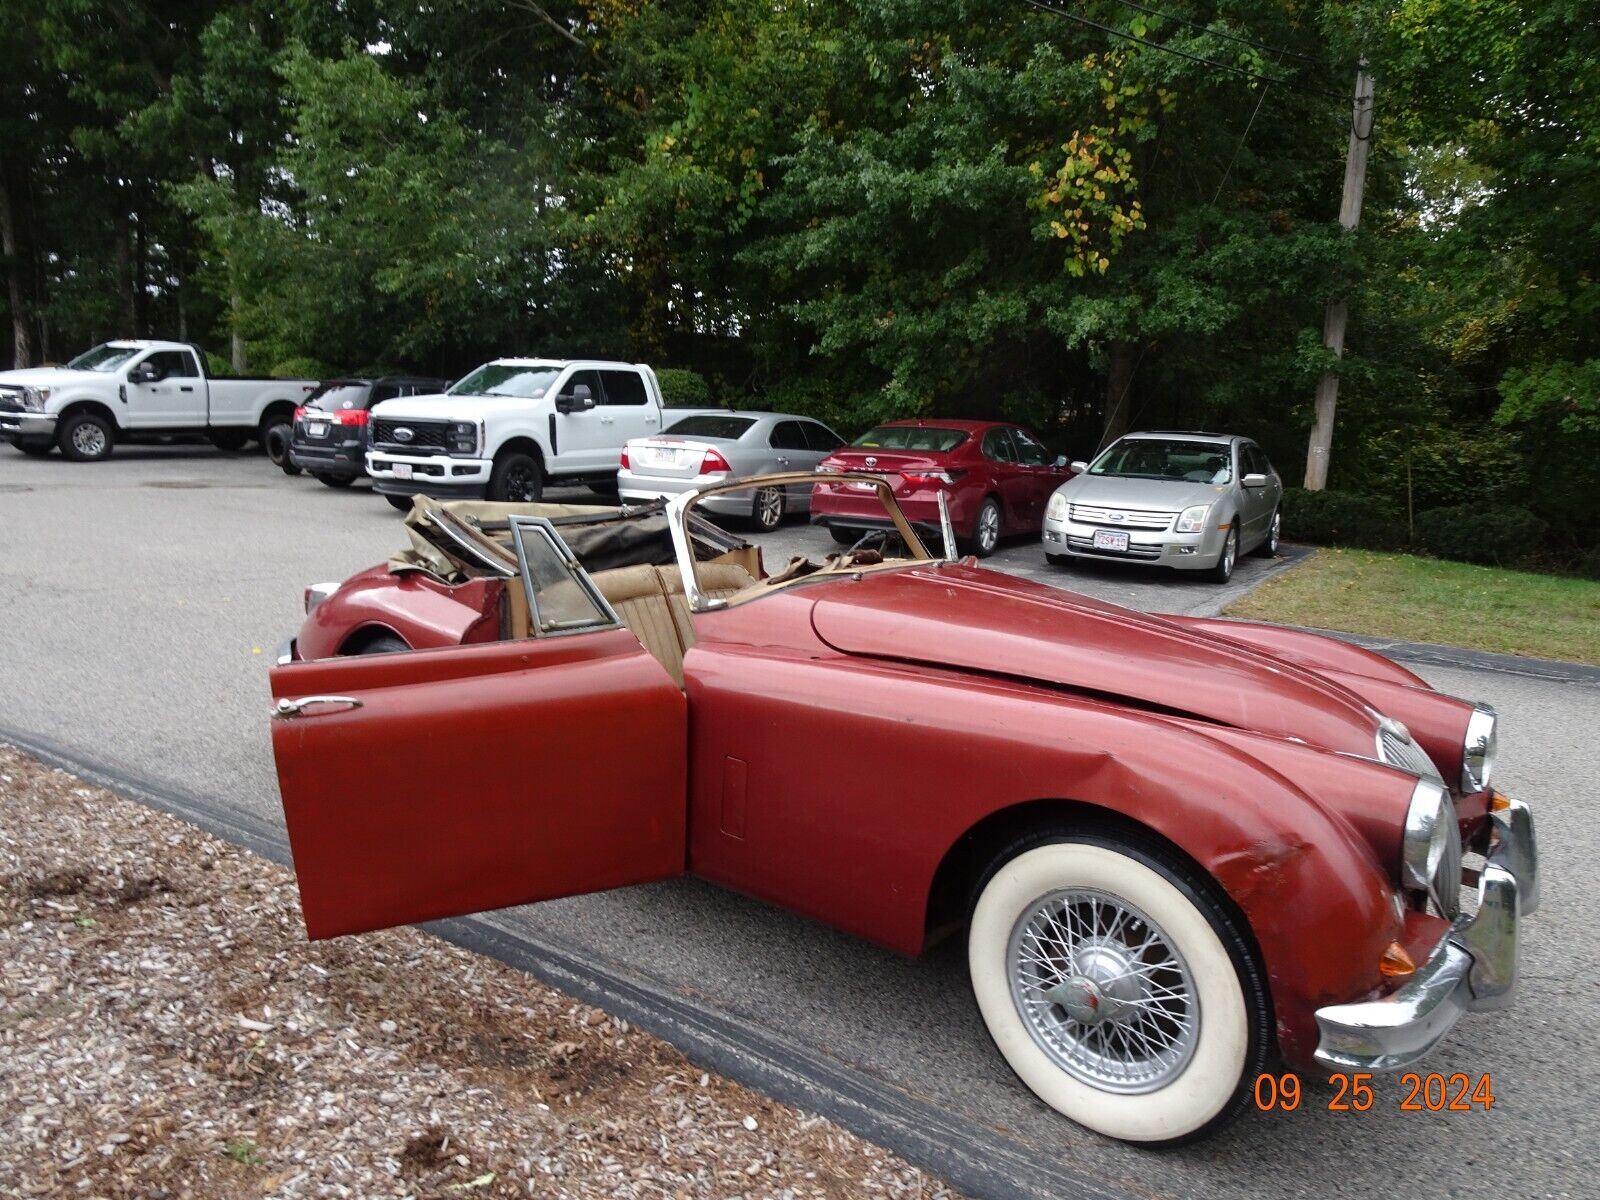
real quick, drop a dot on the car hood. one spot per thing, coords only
(1161, 495)
(51, 377)
(977, 620)
(447, 408)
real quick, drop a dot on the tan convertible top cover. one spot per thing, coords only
(423, 555)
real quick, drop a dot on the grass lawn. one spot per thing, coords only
(1426, 600)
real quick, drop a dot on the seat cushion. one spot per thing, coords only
(636, 594)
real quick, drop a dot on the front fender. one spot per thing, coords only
(428, 614)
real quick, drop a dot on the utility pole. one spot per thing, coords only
(1333, 321)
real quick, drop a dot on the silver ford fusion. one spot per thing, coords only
(1195, 501)
(702, 449)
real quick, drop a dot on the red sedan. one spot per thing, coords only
(998, 477)
(1175, 846)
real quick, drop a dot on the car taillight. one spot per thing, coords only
(350, 416)
(713, 462)
(626, 465)
(299, 411)
(924, 478)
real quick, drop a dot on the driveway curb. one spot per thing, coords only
(1429, 654)
(977, 1161)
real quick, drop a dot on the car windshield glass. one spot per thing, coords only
(331, 397)
(1152, 458)
(103, 358)
(911, 437)
(504, 379)
(712, 426)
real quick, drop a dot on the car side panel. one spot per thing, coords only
(918, 756)
(426, 613)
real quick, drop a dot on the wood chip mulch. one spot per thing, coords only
(167, 1032)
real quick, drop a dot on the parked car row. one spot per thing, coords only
(1192, 501)
(1177, 849)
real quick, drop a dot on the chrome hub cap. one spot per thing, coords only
(989, 527)
(89, 439)
(1277, 524)
(1103, 991)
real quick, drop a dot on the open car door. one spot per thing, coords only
(430, 783)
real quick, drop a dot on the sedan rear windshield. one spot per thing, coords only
(503, 379)
(331, 397)
(1152, 458)
(103, 358)
(911, 437)
(712, 426)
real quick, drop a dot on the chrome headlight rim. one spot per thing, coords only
(1478, 748)
(1430, 848)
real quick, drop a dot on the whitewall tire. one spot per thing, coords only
(1120, 992)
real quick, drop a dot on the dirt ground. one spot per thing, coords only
(166, 1031)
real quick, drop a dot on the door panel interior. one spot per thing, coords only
(477, 777)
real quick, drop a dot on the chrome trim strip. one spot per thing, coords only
(1473, 970)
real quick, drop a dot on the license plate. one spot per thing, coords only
(403, 471)
(660, 456)
(317, 429)
(1111, 539)
(861, 485)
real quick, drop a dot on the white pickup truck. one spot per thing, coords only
(513, 425)
(139, 391)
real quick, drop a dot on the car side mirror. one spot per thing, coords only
(145, 372)
(579, 399)
(1254, 480)
(1060, 462)
(1078, 465)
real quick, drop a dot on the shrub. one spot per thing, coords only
(1340, 519)
(683, 388)
(1498, 534)
(1586, 565)
(304, 368)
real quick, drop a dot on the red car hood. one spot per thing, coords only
(978, 620)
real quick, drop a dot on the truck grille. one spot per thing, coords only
(427, 437)
(1120, 518)
(10, 399)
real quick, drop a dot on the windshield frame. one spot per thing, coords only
(511, 371)
(1224, 448)
(681, 506)
(109, 363)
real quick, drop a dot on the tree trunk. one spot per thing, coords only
(123, 255)
(1119, 398)
(235, 341)
(21, 332)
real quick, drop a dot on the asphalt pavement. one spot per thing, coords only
(145, 597)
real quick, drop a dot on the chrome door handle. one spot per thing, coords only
(607, 420)
(284, 709)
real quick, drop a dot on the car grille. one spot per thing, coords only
(1086, 546)
(427, 437)
(1120, 518)
(10, 399)
(1404, 753)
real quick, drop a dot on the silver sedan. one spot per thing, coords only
(706, 448)
(1195, 501)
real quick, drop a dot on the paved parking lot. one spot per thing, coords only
(145, 595)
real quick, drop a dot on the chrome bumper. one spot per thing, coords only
(1473, 970)
(27, 425)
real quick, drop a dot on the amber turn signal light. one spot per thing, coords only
(1498, 803)
(1396, 961)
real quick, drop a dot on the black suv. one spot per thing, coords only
(329, 439)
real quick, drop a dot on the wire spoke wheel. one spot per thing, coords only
(1103, 991)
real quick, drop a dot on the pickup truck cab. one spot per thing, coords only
(137, 390)
(511, 426)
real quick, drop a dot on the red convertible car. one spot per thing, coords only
(1176, 846)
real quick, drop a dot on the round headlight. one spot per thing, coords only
(1430, 853)
(1477, 751)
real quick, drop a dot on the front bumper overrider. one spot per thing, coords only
(1474, 969)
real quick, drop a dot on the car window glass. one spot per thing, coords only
(331, 397)
(584, 379)
(558, 600)
(787, 435)
(1159, 458)
(997, 446)
(622, 387)
(911, 437)
(172, 364)
(711, 425)
(1030, 451)
(820, 437)
(381, 392)
(507, 379)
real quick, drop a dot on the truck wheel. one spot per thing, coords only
(35, 449)
(1121, 990)
(275, 431)
(334, 481)
(86, 437)
(382, 643)
(517, 479)
(403, 503)
(231, 440)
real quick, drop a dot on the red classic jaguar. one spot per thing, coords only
(1175, 846)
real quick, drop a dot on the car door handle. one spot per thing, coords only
(607, 420)
(186, 389)
(284, 709)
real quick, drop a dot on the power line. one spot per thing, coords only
(1215, 32)
(1194, 58)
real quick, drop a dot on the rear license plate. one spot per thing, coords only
(317, 429)
(861, 485)
(1111, 539)
(403, 471)
(659, 456)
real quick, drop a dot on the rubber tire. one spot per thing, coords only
(383, 643)
(1236, 1025)
(1223, 571)
(504, 466)
(75, 422)
(333, 481)
(846, 537)
(274, 437)
(402, 503)
(35, 449)
(229, 440)
(756, 522)
(1269, 545)
(1058, 560)
(973, 546)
